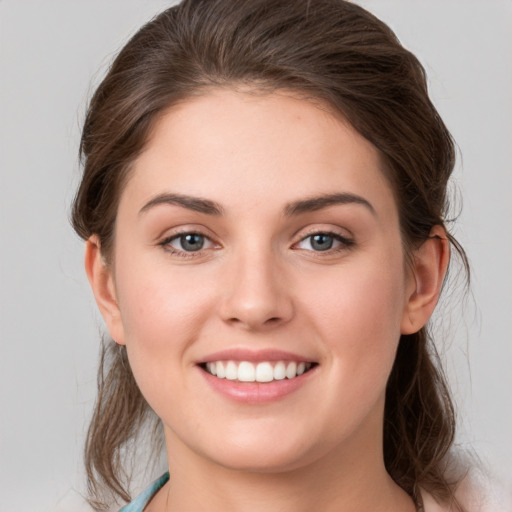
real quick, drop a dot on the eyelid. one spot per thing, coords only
(180, 235)
(166, 240)
(326, 229)
(346, 241)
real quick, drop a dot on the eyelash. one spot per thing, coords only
(345, 243)
(166, 244)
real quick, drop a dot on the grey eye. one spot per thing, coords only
(321, 242)
(190, 242)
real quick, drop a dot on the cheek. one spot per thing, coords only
(365, 297)
(357, 312)
(158, 305)
(162, 315)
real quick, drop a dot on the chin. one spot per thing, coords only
(263, 461)
(263, 454)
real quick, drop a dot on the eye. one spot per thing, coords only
(320, 242)
(187, 242)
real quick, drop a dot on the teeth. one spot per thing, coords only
(221, 370)
(246, 371)
(231, 371)
(264, 372)
(279, 371)
(291, 370)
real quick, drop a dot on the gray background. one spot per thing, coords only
(51, 54)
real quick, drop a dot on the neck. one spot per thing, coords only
(347, 479)
(295, 491)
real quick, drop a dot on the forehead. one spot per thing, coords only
(251, 150)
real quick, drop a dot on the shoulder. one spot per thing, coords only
(474, 494)
(431, 505)
(140, 502)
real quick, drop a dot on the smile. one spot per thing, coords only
(264, 371)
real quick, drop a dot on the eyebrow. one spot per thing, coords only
(318, 203)
(196, 204)
(209, 207)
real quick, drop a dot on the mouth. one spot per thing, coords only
(261, 372)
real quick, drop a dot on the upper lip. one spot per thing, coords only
(255, 356)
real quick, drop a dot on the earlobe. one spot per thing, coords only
(429, 266)
(101, 280)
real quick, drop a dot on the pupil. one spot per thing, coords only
(321, 242)
(192, 242)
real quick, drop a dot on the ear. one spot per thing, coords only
(101, 279)
(429, 265)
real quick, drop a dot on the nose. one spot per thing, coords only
(255, 294)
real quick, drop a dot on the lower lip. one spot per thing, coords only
(257, 392)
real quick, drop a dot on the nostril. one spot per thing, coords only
(250, 307)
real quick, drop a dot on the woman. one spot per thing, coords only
(263, 198)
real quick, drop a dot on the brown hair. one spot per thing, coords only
(331, 50)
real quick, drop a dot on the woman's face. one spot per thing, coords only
(257, 238)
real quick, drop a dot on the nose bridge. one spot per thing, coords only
(256, 295)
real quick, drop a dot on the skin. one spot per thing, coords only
(258, 283)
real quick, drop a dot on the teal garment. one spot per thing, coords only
(138, 504)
